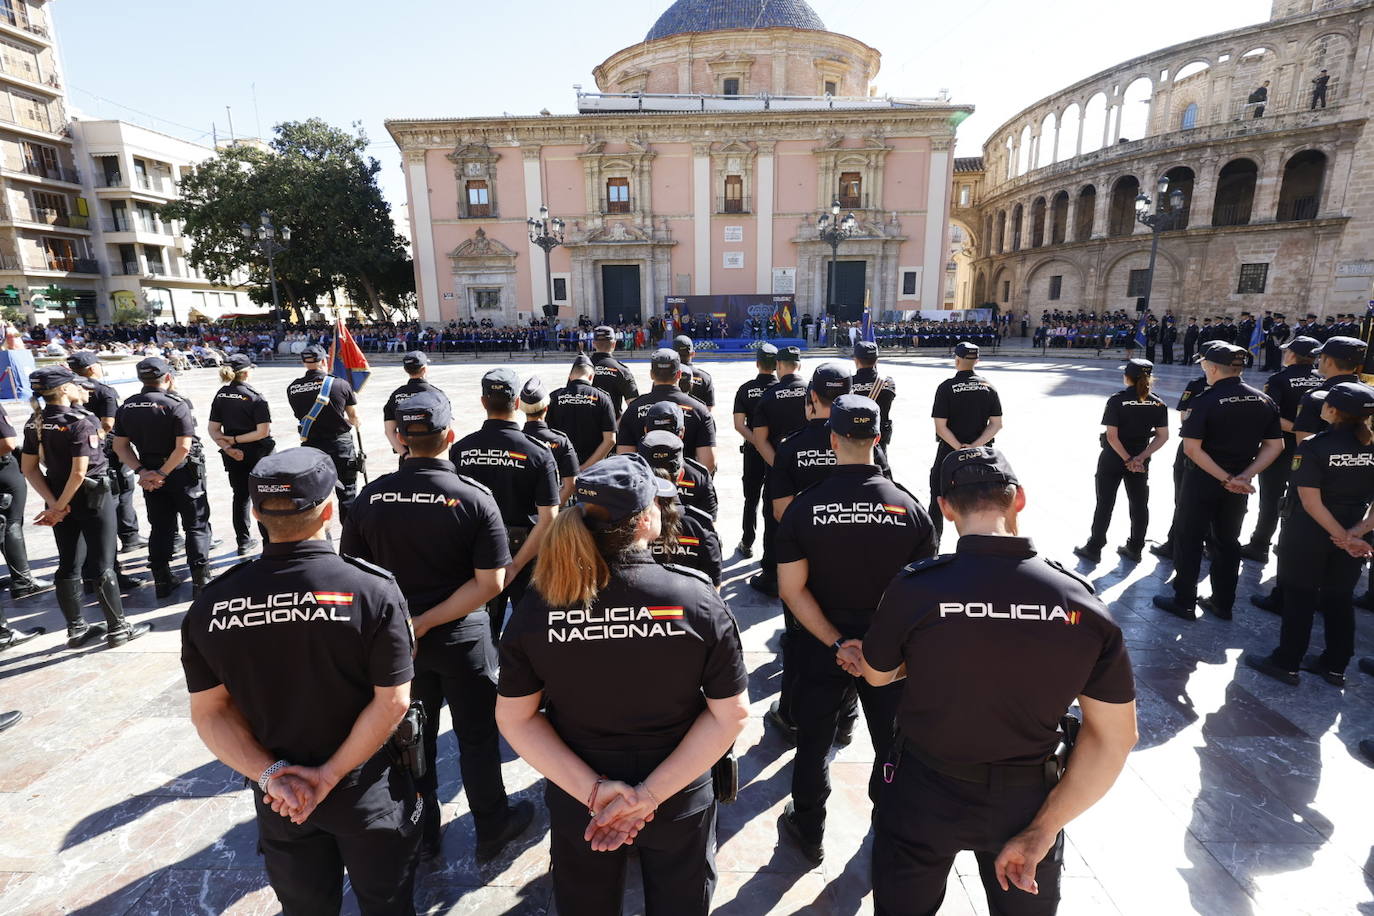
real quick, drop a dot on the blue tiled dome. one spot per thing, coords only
(711, 15)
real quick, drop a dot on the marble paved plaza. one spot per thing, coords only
(1243, 796)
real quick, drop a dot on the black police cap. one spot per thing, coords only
(429, 409)
(82, 359)
(1303, 345)
(789, 354)
(662, 449)
(667, 416)
(603, 332)
(313, 354)
(49, 378)
(502, 382)
(534, 391)
(415, 359)
(767, 349)
(1348, 397)
(1135, 368)
(684, 344)
(831, 379)
(153, 368)
(1346, 348)
(303, 475)
(974, 466)
(965, 350)
(855, 416)
(581, 361)
(865, 349)
(665, 359)
(240, 361)
(621, 486)
(1224, 354)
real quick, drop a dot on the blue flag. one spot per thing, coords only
(866, 331)
(1140, 338)
(1256, 340)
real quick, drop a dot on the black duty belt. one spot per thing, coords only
(992, 775)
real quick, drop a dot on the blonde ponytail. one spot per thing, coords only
(227, 375)
(570, 569)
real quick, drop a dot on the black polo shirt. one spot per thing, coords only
(332, 423)
(633, 670)
(1232, 420)
(1135, 420)
(299, 638)
(152, 421)
(857, 529)
(519, 471)
(803, 458)
(583, 413)
(1309, 417)
(564, 457)
(966, 402)
(697, 545)
(1039, 637)
(103, 401)
(432, 529)
(696, 488)
(782, 408)
(703, 387)
(1191, 390)
(239, 408)
(68, 433)
(747, 398)
(1289, 386)
(1342, 468)
(700, 425)
(865, 380)
(615, 378)
(407, 391)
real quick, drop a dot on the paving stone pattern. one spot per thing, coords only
(1243, 797)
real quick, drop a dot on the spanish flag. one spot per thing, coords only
(666, 613)
(334, 597)
(690, 542)
(346, 358)
(895, 510)
(518, 456)
(782, 311)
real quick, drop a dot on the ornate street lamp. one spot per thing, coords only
(1167, 214)
(547, 234)
(832, 230)
(271, 240)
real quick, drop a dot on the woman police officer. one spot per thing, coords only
(1323, 543)
(241, 425)
(1137, 426)
(66, 442)
(641, 670)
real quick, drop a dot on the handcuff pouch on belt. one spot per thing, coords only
(725, 778)
(407, 742)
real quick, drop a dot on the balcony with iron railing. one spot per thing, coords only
(155, 183)
(1298, 209)
(151, 227)
(27, 23)
(71, 265)
(158, 269)
(734, 205)
(54, 172)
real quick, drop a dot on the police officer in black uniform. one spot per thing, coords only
(584, 413)
(1287, 388)
(155, 437)
(699, 436)
(1195, 387)
(241, 425)
(1339, 359)
(978, 769)
(755, 468)
(855, 518)
(1232, 434)
(13, 500)
(64, 461)
(1325, 537)
(12, 481)
(702, 387)
(967, 413)
(879, 388)
(534, 404)
(522, 475)
(328, 419)
(103, 401)
(299, 668)
(416, 365)
(640, 670)
(610, 374)
(779, 411)
(1137, 426)
(442, 536)
(695, 486)
(90, 569)
(693, 541)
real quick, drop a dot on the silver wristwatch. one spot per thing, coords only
(268, 773)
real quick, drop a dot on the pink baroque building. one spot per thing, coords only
(700, 167)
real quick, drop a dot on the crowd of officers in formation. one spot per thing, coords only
(553, 577)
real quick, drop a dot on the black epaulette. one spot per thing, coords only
(175, 397)
(806, 489)
(1055, 564)
(920, 566)
(790, 436)
(906, 491)
(475, 484)
(365, 566)
(700, 515)
(698, 465)
(536, 440)
(688, 571)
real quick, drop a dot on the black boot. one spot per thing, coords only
(164, 581)
(79, 632)
(200, 575)
(22, 581)
(120, 630)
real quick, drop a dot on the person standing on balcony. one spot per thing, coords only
(1319, 91)
(1258, 98)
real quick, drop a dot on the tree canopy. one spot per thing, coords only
(316, 180)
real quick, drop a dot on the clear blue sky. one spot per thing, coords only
(179, 63)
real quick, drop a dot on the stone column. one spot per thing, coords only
(1267, 185)
(763, 217)
(701, 218)
(534, 199)
(426, 269)
(1204, 193)
(1070, 217)
(1102, 206)
(937, 206)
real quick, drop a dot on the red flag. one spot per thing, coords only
(347, 359)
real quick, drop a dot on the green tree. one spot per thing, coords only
(317, 181)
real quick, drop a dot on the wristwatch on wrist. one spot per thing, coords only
(837, 645)
(268, 773)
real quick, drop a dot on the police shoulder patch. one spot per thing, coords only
(367, 567)
(1055, 564)
(475, 484)
(920, 566)
(688, 571)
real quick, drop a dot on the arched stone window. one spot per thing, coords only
(1301, 193)
(1181, 178)
(1017, 218)
(1001, 231)
(1121, 217)
(1086, 215)
(1059, 218)
(1038, 223)
(1189, 120)
(1235, 193)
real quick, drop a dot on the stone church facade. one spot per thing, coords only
(700, 167)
